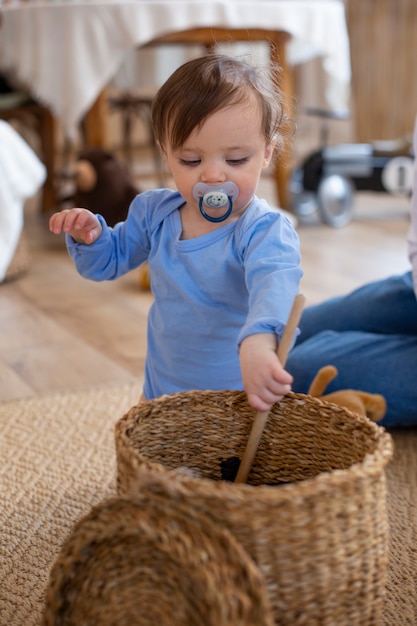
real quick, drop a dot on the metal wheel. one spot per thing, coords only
(303, 203)
(335, 200)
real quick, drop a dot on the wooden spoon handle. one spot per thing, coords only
(290, 328)
(261, 417)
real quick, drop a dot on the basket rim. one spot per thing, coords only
(371, 466)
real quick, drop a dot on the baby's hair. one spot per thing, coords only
(207, 84)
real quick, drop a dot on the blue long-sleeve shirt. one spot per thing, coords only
(210, 292)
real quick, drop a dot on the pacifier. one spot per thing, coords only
(215, 197)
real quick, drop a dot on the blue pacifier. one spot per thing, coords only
(215, 197)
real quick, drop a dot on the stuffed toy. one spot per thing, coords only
(371, 405)
(103, 185)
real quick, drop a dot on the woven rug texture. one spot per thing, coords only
(58, 460)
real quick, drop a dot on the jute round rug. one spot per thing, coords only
(58, 460)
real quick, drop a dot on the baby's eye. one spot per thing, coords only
(190, 162)
(237, 161)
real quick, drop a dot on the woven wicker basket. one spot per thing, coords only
(146, 563)
(321, 539)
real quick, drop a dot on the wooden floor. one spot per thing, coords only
(61, 332)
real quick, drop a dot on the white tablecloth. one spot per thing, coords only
(21, 175)
(67, 52)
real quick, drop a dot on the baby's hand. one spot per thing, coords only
(82, 225)
(264, 378)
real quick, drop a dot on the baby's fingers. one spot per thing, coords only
(257, 403)
(266, 397)
(56, 223)
(67, 220)
(81, 224)
(77, 220)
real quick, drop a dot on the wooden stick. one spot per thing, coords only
(261, 417)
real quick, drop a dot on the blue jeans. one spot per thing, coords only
(370, 335)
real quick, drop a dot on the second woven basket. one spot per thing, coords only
(313, 514)
(144, 562)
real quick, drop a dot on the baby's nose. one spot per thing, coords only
(212, 173)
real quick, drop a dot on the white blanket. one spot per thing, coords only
(21, 175)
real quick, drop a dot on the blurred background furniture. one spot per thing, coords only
(80, 47)
(134, 104)
(90, 40)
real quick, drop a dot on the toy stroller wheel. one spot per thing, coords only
(303, 202)
(335, 200)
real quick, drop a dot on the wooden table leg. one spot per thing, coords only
(283, 163)
(47, 122)
(95, 123)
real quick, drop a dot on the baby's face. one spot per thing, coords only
(229, 146)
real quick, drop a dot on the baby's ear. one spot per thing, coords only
(161, 149)
(269, 151)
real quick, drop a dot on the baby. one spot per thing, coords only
(224, 266)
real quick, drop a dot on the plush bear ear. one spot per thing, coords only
(85, 175)
(323, 377)
(97, 156)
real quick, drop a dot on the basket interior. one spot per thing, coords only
(206, 433)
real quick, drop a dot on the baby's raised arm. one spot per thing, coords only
(82, 225)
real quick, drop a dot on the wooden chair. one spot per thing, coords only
(132, 105)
